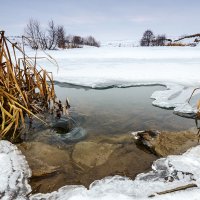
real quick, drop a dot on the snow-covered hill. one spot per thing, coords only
(191, 40)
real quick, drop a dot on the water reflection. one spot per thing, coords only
(119, 110)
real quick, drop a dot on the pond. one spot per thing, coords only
(106, 116)
(119, 110)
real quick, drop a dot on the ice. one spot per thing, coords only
(14, 173)
(124, 65)
(177, 96)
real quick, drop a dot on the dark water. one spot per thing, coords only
(119, 110)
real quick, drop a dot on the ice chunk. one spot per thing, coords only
(14, 172)
(177, 97)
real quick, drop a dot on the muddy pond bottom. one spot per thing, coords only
(119, 110)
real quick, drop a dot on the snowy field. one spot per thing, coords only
(177, 68)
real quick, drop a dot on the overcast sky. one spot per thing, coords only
(105, 19)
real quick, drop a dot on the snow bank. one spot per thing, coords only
(14, 172)
(168, 173)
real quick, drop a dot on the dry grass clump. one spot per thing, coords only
(176, 44)
(25, 89)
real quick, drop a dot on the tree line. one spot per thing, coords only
(54, 36)
(149, 39)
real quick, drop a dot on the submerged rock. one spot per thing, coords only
(47, 163)
(83, 162)
(166, 143)
(56, 131)
(92, 154)
(173, 177)
(43, 159)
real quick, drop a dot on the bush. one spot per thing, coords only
(50, 38)
(148, 39)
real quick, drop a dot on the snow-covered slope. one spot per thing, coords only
(192, 40)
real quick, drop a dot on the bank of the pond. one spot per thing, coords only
(97, 157)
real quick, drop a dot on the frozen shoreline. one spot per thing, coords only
(177, 68)
(167, 173)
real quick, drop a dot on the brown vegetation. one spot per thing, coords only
(176, 44)
(25, 90)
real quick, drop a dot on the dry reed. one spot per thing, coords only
(25, 88)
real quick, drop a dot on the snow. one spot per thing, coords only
(113, 65)
(120, 43)
(189, 40)
(175, 67)
(14, 172)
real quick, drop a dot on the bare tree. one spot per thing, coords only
(77, 40)
(34, 34)
(61, 40)
(69, 39)
(147, 38)
(161, 40)
(41, 39)
(52, 35)
(91, 41)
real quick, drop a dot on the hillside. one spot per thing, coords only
(189, 40)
